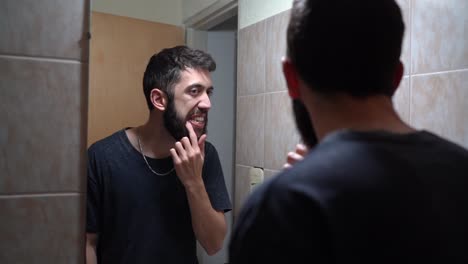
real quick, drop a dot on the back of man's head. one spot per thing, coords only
(346, 46)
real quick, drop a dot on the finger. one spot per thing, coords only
(186, 145)
(201, 144)
(287, 165)
(301, 149)
(296, 156)
(293, 157)
(192, 134)
(180, 150)
(175, 157)
(289, 158)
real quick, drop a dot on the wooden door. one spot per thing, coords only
(120, 49)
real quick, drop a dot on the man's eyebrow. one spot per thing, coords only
(195, 85)
(198, 85)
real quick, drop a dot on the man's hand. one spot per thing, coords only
(208, 224)
(188, 156)
(298, 155)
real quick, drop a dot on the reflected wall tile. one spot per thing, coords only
(281, 135)
(50, 28)
(406, 47)
(275, 49)
(49, 227)
(43, 110)
(251, 59)
(250, 130)
(401, 99)
(242, 188)
(440, 104)
(439, 35)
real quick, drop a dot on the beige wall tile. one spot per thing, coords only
(275, 49)
(250, 130)
(43, 111)
(251, 59)
(42, 229)
(440, 104)
(439, 35)
(51, 28)
(281, 135)
(401, 99)
(406, 47)
(242, 188)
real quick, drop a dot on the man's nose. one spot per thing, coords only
(205, 102)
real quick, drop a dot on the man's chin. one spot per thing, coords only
(199, 132)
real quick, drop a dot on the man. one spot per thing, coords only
(154, 189)
(373, 190)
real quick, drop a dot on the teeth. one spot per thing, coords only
(199, 119)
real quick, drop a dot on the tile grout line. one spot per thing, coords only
(265, 35)
(410, 82)
(265, 93)
(250, 166)
(439, 72)
(410, 6)
(41, 59)
(39, 195)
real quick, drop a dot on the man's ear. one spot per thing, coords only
(398, 76)
(292, 79)
(158, 99)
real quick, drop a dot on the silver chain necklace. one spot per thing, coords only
(141, 151)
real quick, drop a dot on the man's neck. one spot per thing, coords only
(154, 138)
(364, 114)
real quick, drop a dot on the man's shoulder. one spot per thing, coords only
(356, 165)
(327, 168)
(107, 144)
(326, 160)
(288, 183)
(210, 151)
(451, 148)
(209, 146)
(284, 194)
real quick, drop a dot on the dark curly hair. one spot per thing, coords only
(346, 46)
(164, 68)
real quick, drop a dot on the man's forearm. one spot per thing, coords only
(91, 249)
(208, 224)
(90, 255)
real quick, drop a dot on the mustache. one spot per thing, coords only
(198, 111)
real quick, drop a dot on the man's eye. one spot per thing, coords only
(194, 91)
(210, 92)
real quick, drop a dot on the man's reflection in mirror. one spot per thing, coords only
(153, 190)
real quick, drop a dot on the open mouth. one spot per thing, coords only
(197, 121)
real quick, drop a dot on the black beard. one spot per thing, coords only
(176, 125)
(303, 123)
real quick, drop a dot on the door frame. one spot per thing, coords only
(213, 15)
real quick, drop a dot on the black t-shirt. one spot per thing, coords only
(361, 198)
(141, 217)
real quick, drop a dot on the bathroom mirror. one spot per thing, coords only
(123, 38)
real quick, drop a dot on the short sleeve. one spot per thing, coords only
(278, 226)
(93, 201)
(214, 180)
